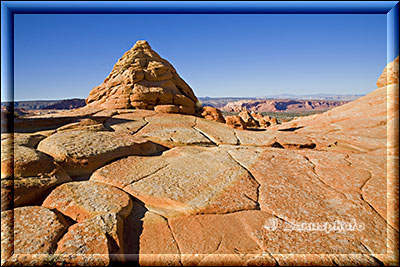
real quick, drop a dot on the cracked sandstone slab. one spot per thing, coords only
(27, 174)
(82, 152)
(83, 200)
(29, 230)
(149, 235)
(241, 233)
(173, 130)
(177, 182)
(290, 176)
(101, 234)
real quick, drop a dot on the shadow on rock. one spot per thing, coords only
(133, 227)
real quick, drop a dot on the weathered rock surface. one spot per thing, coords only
(101, 235)
(149, 240)
(310, 194)
(173, 130)
(24, 162)
(212, 114)
(219, 234)
(29, 230)
(22, 191)
(27, 175)
(22, 139)
(248, 119)
(340, 128)
(88, 124)
(216, 132)
(235, 122)
(83, 200)
(319, 190)
(177, 182)
(142, 79)
(390, 74)
(81, 152)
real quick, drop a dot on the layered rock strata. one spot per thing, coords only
(141, 79)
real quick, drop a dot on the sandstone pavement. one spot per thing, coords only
(83, 200)
(29, 230)
(27, 174)
(177, 182)
(81, 152)
(160, 188)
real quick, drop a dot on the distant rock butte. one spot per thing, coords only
(141, 79)
(67, 104)
(274, 105)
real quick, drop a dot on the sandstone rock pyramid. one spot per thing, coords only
(141, 79)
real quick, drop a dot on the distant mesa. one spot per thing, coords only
(67, 104)
(278, 105)
(141, 79)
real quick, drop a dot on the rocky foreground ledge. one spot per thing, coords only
(97, 185)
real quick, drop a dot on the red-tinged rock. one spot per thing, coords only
(148, 236)
(102, 234)
(324, 260)
(83, 200)
(282, 105)
(27, 175)
(31, 190)
(289, 175)
(204, 238)
(173, 130)
(177, 182)
(24, 161)
(218, 133)
(212, 114)
(141, 79)
(390, 74)
(273, 121)
(84, 124)
(264, 123)
(248, 119)
(22, 139)
(235, 122)
(29, 230)
(167, 109)
(290, 140)
(82, 152)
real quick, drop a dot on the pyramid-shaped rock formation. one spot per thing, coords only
(141, 79)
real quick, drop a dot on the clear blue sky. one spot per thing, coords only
(65, 56)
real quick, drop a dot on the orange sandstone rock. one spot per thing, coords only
(248, 119)
(81, 152)
(235, 122)
(142, 79)
(84, 200)
(30, 230)
(212, 114)
(390, 74)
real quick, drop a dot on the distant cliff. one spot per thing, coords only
(67, 104)
(273, 105)
(46, 104)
